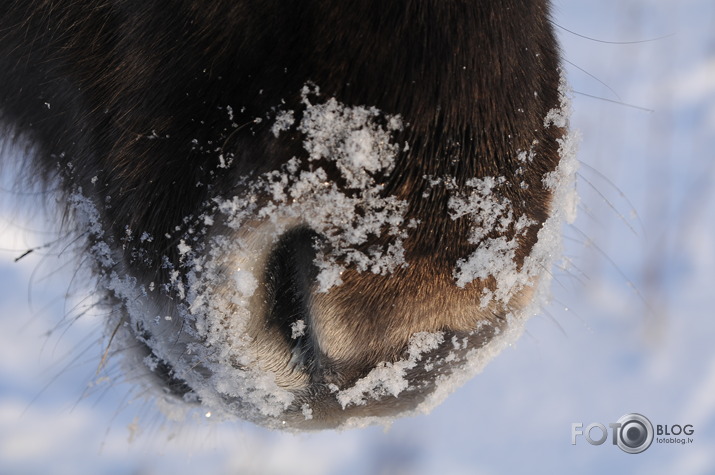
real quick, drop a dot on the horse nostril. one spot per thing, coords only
(289, 276)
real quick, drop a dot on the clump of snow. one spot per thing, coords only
(489, 213)
(297, 329)
(183, 248)
(350, 137)
(301, 192)
(87, 214)
(307, 411)
(284, 121)
(390, 378)
(246, 283)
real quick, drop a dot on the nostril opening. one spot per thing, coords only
(290, 273)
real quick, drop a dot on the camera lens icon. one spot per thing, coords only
(635, 433)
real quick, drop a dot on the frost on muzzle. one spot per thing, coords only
(301, 301)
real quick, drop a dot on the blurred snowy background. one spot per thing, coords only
(630, 328)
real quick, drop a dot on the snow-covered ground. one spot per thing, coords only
(629, 329)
